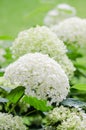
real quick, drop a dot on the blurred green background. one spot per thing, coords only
(17, 15)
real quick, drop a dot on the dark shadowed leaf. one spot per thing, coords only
(71, 102)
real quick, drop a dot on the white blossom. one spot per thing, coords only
(71, 31)
(41, 75)
(38, 39)
(8, 122)
(58, 14)
(42, 39)
(69, 118)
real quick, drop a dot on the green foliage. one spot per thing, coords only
(1, 72)
(8, 57)
(5, 45)
(16, 98)
(81, 87)
(33, 121)
(37, 103)
(74, 51)
(80, 64)
(15, 94)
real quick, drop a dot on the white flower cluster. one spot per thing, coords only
(42, 76)
(8, 122)
(71, 30)
(38, 39)
(42, 39)
(59, 13)
(69, 118)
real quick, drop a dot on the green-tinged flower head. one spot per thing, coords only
(42, 39)
(5, 83)
(41, 75)
(38, 39)
(71, 31)
(58, 14)
(67, 118)
(8, 122)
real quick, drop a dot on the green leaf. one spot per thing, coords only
(71, 102)
(15, 95)
(3, 100)
(81, 87)
(26, 120)
(37, 103)
(73, 51)
(79, 65)
(1, 72)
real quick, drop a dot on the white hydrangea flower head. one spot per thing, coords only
(71, 30)
(66, 9)
(41, 75)
(38, 39)
(42, 39)
(58, 14)
(8, 122)
(70, 118)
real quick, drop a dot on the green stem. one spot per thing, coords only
(30, 112)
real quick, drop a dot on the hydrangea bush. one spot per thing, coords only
(8, 122)
(58, 14)
(66, 119)
(42, 39)
(42, 76)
